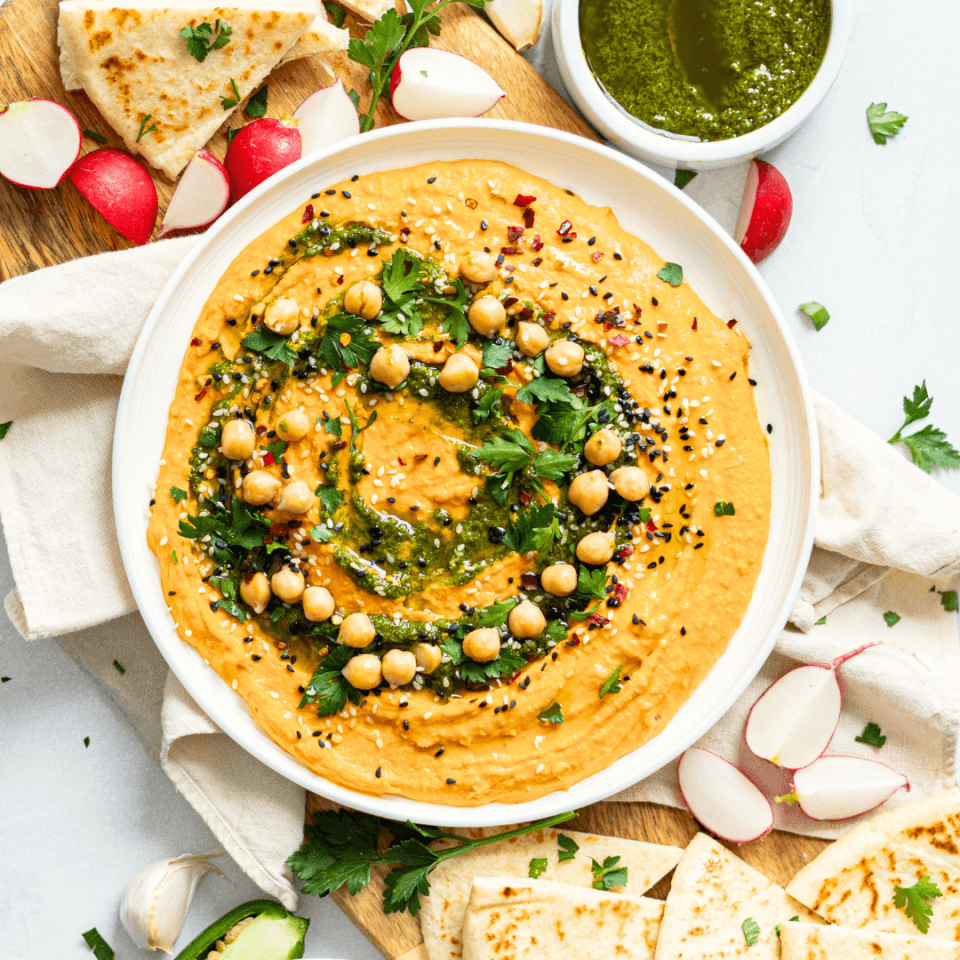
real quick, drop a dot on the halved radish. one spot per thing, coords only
(39, 143)
(259, 150)
(201, 195)
(326, 117)
(722, 798)
(794, 719)
(838, 788)
(765, 211)
(120, 190)
(427, 84)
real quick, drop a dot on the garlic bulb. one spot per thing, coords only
(519, 21)
(155, 903)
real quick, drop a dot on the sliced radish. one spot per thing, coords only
(765, 211)
(428, 83)
(838, 788)
(326, 117)
(722, 798)
(259, 150)
(793, 721)
(39, 143)
(120, 190)
(201, 195)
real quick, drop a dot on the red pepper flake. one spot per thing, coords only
(651, 525)
(249, 576)
(437, 347)
(307, 214)
(525, 497)
(510, 301)
(526, 314)
(619, 340)
(573, 642)
(565, 228)
(536, 261)
(277, 530)
(400, 461)
(694, 327)
(340, 280)
(621, 592)
(529, 581)
(626, 551)
(404, 229)
(201, 395)
(548, 316)
(340, 445)
(599, 621)
(536, 243)
(508, 251)
(195, 342)
(514, 233)
(731, 323)
(523, 200)
(597, 257)
(528, 217)
(637, 310)
(268, 459)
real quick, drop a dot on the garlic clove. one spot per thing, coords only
(520, 22)
(155, 903)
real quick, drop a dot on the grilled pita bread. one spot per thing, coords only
(441, 917)
(851, 883)
(521, 919)
(803, 941)
(711, 895)
(132, 62)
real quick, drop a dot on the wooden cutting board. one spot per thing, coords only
(41, 228)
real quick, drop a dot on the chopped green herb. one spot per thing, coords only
(4, 679)
(229, 102)
(914, 901)
(178, 494)
(671, 273)
(271, 345)
(534, 529)
(257, 104)
(591, 584)
(231, 134)
(871, 735)
(608, 876)
(567, 847)
(86, 741)
(551, 714)
(723, 508)
(751, 931)
(537, 867)
(821, 621)
(949, 600)
(278, 448)
(99, 946)
(884, 123)
(118, 667)
(682, 177)
(892, 618)
(359, 349)
(93, 135)
(330, 498)
(612, 683)
(336, 12)
(173, 556)
(321, 533)
(204, 38)
(817, 312)
(332, 426)
(144, 129)
(5, 428)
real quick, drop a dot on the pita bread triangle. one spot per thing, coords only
(523, 919)
(132, 63)
(712, 895)
(803, 941)
(852, 882)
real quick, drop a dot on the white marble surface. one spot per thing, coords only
(875, 237)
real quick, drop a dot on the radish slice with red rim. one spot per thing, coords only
(202, 194)
(326, 117)
(765, 211)
(259, 150)
(39, 143)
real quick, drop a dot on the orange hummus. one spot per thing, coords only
(494, 576)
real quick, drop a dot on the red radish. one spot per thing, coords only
(259, 150)
(120, 190)
(39, 143)
(722, 798)
(326, 117)
(794, 719)
(765, 211)
(427, 84)
(201, 195)
(838, 788)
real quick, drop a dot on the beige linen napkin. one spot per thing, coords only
(878, 512)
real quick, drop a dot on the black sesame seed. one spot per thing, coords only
(268, 270)
(751, 381)
(355, 178)
(484, 225)
(406, 724)
(329, 193)
(431, 179)
(346, 193)
(563, 296)
(379, 773)
(439, 753)
(256, 656)
(769, 428)
(591, 241)
(450, 780)
(254, 273)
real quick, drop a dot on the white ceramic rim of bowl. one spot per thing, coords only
(655, 148)
(716, 262)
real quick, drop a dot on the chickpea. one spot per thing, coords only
(237, 440)
(629, 482)
(428, 656)
(363, 299)
(357, 630)
(532, 339)
(526, 619)
(596, 548)
(282, 316)
(482, 645)
(603, 447)
(297, 498)
(293, 426)
(478, 267)
(589, 491)
(390, 365)
(317, 603)
(399, 667)
(487, 316)
(260, 487)
(459, 373)
(560, 579)
(565, 358)
(288, 584)
(255, 592)
(363, 671)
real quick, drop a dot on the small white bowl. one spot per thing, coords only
(632, 138)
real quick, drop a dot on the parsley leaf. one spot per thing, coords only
(330, 498)
(871, 735)
(5, 428)
(510, 452)
(232, 607)
(751, 931)
(608, 876)
(178, 494)
(914, 901)
(101, 949)
(277, 447)
(489, 400)
(671, 273)
(241, 527)
(950, 601)
(257, 104)
(402, 275)
(567, 847)
(892, 618)
(551, 714)
(917, 407)
(496, 355)
(682, 177)
(546, 389)
(204, 38)
(884, 123)
(496, 614)
(328, 688)
(552, 464)
(506, 665)
(333, 426)
(321, 533)
(359, 349)
(928, 446)
(534, 529)
(538, 866)
(271, 345)
(612, 683)
(592, 584)
(817, 312)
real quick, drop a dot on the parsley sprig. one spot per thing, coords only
(328, 688)
(534, 529)
(144, 129)
(353, 350)
(343, 846)
(271, 345)
(513, 452)
(915, 901)
(204, 38)
(240, 527)
(607, 875)
(871, 735)
(929, 446)
(884, 123)
(507, 663)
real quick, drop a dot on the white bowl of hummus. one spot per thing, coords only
(464, 473)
